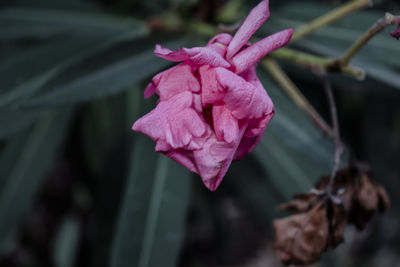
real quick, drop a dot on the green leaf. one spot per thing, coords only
(107, 140)
(43, 23)
(75, 5)
(12, 120)
(151, 223)
(251, 181)
(110, 78)
(32, 61)
(29, 163)
(374, 67)
(379, 57)
(66, 243)
(28, 87)
(293, 152)
(98, 141)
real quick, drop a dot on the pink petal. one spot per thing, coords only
(250, 75)
(245, 146)
(254, 132)
(206, 56)
(254, 20)
(172, 121)
(251, 55)
(150, 90)
(161, 146)
(222, 38)
(225, 125)
(183, 157)
(242, 98)
(214, 159)
(197, 103)
(174, 81)
(257, 126)
(165, 53)
(196, 55)
(211, 91)
(219, 43)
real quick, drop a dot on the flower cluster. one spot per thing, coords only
(213, 108)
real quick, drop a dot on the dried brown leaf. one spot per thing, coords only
(384, 202)
(300, 203)
(322, 216)
(366, 194)
(301, 238)
(337, 224)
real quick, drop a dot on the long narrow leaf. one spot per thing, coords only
(28, 168)
(293, 152)
(29, 87)
(151, 225)
(25, 22)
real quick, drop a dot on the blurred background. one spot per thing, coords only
(79, 188)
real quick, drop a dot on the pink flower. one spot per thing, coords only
(213, 108)
(396, 33)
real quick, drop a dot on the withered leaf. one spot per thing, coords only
(300, 203)
(384, 202)
(367, 198)
(301, 238)
(367, 195)
(337, 224)
(321, 219)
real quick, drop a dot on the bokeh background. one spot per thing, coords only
(79, 188)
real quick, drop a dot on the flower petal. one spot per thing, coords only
(250, 75)
(254, 132)
(225, 125)
(257, 126)
(150, 90)
(254, 20)
(252, 54)
(211, 91)
(214, 159)
(173, 121)
(165, 53)
(183, 157)
(196, 55)
(206, 56)
(197, 103)
(242, 98)
(222, 38)
(174, 81)
(245, 146)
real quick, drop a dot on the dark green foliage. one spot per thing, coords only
(72, 76)
(151, 223)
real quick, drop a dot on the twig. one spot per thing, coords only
(301, 58)
(294, 93)
(381, 24)
(316, 63)
(336, 132)
(329, 18)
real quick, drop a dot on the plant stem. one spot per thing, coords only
(316, 63)
(329, 18)
(336, 131)
(294, 93)
(301, 58)
(381, 24)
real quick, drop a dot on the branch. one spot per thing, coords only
(294, 93)
(329, 17)
(317, 63)
(381, 24)
(336, 132)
